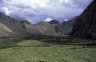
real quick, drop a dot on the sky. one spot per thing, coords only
(40, 10)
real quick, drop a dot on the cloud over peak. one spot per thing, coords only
(37, 10)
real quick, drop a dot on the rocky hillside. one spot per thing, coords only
(85, 26)
(66, 27)
(45, 28)
(11, 27)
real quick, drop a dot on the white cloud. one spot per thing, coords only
(48, 19)
(6, 10)
(64, 1)
(30, 3)
(37, 10)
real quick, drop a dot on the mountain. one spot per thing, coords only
(66, 27)
(10, 27)
(54, 22)
(85, 26)
(45, 28)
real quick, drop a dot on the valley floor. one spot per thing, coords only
(46, 50)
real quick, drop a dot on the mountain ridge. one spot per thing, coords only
(12, 27)
(85, 26)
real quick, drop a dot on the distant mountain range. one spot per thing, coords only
(11, 27)
(83, 26)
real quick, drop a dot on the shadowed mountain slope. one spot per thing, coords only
(54, 22)
(85, 26)
(66, 27)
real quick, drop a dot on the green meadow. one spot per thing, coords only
(46, 50)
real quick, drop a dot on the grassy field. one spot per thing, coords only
(46, 50)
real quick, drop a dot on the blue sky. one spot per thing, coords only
(38, 10)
